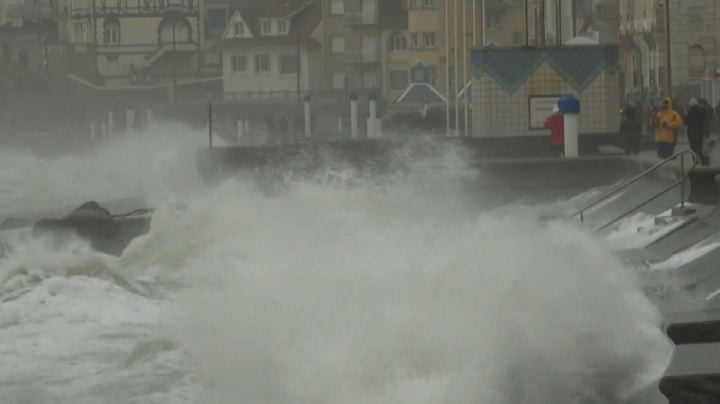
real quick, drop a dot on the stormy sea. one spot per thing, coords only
(334, 288)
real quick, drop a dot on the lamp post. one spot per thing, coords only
(668, 50)
(174, 52)
(173, 16)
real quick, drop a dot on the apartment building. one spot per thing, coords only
(269, 50)
(350, 36)
(420, 51)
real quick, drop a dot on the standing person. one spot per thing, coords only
(710, 128)
(668, 122)
(696, 129)
(556, 124)
(709, 117)
(630, 129)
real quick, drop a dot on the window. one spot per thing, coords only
(262, 64)
(494, 19)
(422, 3)
(369, 79)
(338, 81)
(696, 60)
(421, 73)
(174, 30)
(337, 45)
(414, 40)
(80, 32)
(398, 42)
(398, 79)
(282, 27)
(517, 36)
(265, 27)
(289, 64)
(239, 28)
(239, 64)
(111, 31)
(429, 39)
(337, 7)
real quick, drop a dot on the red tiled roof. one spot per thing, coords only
(305, 16)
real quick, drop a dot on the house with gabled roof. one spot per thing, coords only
(269, 48)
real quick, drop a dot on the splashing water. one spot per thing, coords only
(399, 291)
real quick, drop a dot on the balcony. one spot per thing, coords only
(360, 19)
(28, 11)
(367, 56)
(134, 7)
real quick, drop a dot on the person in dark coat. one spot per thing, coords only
(696, 129)
(631, 129)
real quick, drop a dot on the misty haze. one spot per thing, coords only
(359, 201)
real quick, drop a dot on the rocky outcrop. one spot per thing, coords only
(105, 233)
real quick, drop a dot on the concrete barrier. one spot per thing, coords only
(703, 189)
(518, 176)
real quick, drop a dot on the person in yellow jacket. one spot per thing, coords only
(668, 122)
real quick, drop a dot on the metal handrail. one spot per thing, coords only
(637, 178)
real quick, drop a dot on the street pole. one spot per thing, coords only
(465, 68)
(174, 62)
(457, 71)
(474, 22)
(299, 63)
(668, 51)
(447, 68)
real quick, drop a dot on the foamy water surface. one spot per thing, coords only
(335, 290)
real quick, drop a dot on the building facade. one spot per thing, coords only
(268, 51)
(694, 50)
(134, 44)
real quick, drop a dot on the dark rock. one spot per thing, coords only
(105, 233)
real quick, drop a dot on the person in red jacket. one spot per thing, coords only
(556, 124)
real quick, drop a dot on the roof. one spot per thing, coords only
(304, 14)
(420, 94)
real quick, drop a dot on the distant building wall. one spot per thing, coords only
(507, 79)
(274, 80)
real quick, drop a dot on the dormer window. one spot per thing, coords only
(266, 27)
(239, 28)
(282, 27)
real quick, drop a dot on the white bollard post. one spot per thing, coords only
(571, 136)
(308, 127)
(354, 116)
(130, 119)
(240, 131)
(92, 131)
(373, 117)
(570, 108)
(110, 127)
(149, 117)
